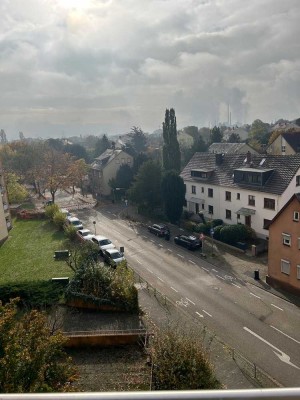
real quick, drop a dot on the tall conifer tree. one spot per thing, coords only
(171, 151)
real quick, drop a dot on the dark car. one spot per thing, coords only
(159, 229)
(189, 242)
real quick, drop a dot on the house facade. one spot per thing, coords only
(104, 168)
(287, 143)
(241, 188)
(5, 218)
(284, 247)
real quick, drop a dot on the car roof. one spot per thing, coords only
(110, 251)
(84, 230)
(73, 219)
(98, 237)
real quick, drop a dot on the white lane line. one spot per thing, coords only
(150, 270)
(170, 250)
(207, 313)
(205, 269)
(138, 261)
(160, 279)
(192, 262)
(151, 240)
(160, 245)
(190, 301)
(252, 294)
(114, 214)
(179, 255)
(290, 337)
(221, 277)
(145, 237)
(174, 289)
(200, 315)
(235, 285)
(117, 232)
(214, 270)
(276, 307)
(109, 212)
(282, 356)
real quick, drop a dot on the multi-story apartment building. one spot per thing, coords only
(5, 218)
(241, 188)
(284, 247)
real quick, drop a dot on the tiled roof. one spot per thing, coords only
(284, 167)
(105, 158)
(293, 139)
(227, 147)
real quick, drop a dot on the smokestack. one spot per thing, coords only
(248, 157)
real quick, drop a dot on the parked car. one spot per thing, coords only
(85, 234)
(75, 222)
(113, 257)
(103, 243)
(65, 212)
(189, 242)
(159, 229)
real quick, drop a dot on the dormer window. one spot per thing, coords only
(196, 173)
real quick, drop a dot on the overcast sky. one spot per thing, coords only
(70, 67)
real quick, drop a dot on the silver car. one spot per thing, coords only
(103, 243)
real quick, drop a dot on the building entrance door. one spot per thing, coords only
(248, 220)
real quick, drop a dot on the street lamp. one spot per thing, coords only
(94, 223)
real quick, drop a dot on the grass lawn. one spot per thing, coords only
(27, 255)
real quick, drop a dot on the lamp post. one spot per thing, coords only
(94, 223)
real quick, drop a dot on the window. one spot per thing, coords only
(238, 196)
(283, 149)
(128, 160)
(296, 216)
(210, 192)
(210, 209)
(228, 214)
(202, 189)
(202, 206)
(266, 224)
(238, 216)
(269, 203)
(123, 160)
(298, 271)
(298, 243)
(193, 189)
(298, 180)
(286, 239)
(251, 200)
(228, 196)
(285, 267)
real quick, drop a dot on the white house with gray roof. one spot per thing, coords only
(241, 188)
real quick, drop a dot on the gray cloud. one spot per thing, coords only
(104, 66)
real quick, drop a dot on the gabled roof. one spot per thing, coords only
(228, 148)
(106, 157)
(293, 139)
(284, 169)
(295, 196)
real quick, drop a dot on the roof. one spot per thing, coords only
(284, 167)
(293, 139)
(106, 157)
(294, 196)
(228, 147)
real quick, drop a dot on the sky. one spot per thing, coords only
(80, 67)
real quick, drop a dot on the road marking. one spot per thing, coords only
(214, 270)
(252, 294)
(174, 289)
(170, 250)
(150, 270)
(235, 285)
(282, 356)
(160, 245)
(200, 315)
(190, 301)
(151, 240)
(181, 229)
(192, 262)
(114, 214)
(179, 255)
(117, 232)
(290, 337)
(221, 277)
(109, 212)
(182, 302)
(145, 237)
(207, 313)
(205, 269)
(160, 279)
(277, 307)
(138, 261)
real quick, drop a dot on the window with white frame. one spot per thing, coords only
(193, 189)
(251, 200)
(286, 239)
(228, 214)
(298, 271)
(296, 216)
(285, 267)
(283, 149)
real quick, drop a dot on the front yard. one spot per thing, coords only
(27, 255)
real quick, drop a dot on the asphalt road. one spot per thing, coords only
(263, 327)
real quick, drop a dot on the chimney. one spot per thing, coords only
(219, 158)
(248, 157)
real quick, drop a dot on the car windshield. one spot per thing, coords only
(116, 255)
(86, 233)
(104, 242)
(76, 223)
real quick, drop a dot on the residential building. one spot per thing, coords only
(241, 188)
(231, 148)
(5, 218)
(105, 168)
(284, 247)
(286, 143)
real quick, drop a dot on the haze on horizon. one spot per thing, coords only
(71, 67)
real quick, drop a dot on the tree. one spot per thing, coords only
(173, 195)
(16, 192)
(76, 150)
(139, 140)
(199, 145)
(180, 362)
(31, 358)
(3, 138)
(146, 189)
(234, 138)
(216, 135)
(171, 151)
(101, 145)
(191, 130)
(260, 132)
(76, 172)
(124, 178)
(138, 161)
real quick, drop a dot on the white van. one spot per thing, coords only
(75, 222)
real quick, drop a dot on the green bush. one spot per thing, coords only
(71, 232)
(59, 220)
(236, 233)
(200, 228)
(217, 231)
(217, 222)
(51, 210)
(189, 225)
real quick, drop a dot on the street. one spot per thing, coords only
(263, 327)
